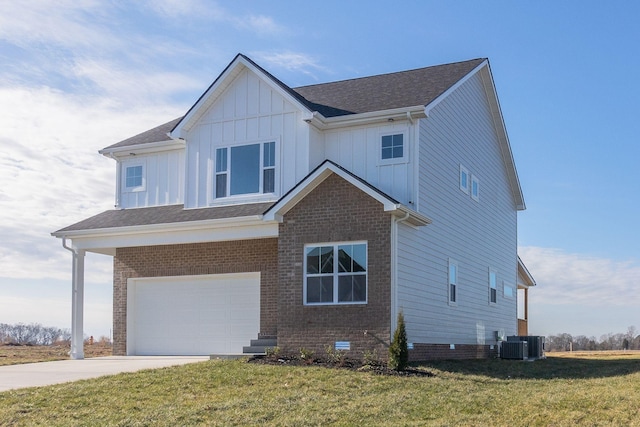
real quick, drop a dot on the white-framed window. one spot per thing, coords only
(245, 169)
(508, 290)
(475, 188)
(335, 273)
(453, 282)
(493, 287)
(464, 180)
(133, 178)
(393, 148)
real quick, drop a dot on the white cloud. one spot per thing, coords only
(573, 279)
(290, 61)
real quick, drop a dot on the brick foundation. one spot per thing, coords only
(196, 259)
(335, 211)
(422, 352)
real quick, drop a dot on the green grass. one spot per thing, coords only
(589, 390)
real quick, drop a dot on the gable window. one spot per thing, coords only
(392, 146)
(245, 169)
(493, 287)
(335, 273)
(134, 177)
(475, 188)
(453, 282)
(464, 179)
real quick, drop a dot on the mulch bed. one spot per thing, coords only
(350, 364)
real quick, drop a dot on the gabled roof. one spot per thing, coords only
(322, 172)
(157, 134)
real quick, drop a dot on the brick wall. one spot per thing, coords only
(195, 259)
(423, 352)
(335, 211)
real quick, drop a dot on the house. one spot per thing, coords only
(311, 216)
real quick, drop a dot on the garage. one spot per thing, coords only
(192, 315)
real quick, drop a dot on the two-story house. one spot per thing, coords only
(312, 216)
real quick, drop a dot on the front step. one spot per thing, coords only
(260, 346)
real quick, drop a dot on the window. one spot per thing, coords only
(493, 289)
(453, 281)
(335, 274)
(245, 169)
(392, 147)
(134, 177)
(509, 291)
(475, 188)
(464, 179)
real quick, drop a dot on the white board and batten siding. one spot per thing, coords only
(479, 235)
(250, 110)
(358, 150)
(163, 174)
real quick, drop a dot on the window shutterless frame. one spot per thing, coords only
(247, 169)
(133, 176)
(493, 287)
(393, 147)
(335, 273)
(452, 276)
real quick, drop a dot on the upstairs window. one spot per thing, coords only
(335, 274)
(245, 169)
(493, 287)
(475, 188)
(134, 177)
(464, 180)
(393, 148)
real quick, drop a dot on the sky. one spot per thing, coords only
(79, 75)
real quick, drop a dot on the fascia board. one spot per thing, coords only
(151, 147)
(166, 227)
(523, 272)
(395, 114)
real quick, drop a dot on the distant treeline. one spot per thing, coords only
(566, 342)
(32, 334)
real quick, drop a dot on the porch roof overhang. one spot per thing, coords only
(168, 225)
(322, 172)
(525, 279)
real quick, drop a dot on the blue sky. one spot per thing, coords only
(79, 75)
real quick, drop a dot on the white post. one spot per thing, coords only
(77, 305)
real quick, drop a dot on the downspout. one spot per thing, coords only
(394, 270)
(77, 302)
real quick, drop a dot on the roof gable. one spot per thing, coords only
(322, 172)
(221, 83)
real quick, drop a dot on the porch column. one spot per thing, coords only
(77, 305)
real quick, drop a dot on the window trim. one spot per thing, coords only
(137, 188)
(514, 290)
(464, 184)
(493, 296)
(405, 148)
(262, 168)
(335, 274)
(453, 285)
(475, 195)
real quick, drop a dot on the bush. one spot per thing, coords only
(398, 350)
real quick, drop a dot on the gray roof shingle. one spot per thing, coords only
(361, 95)
(163, 215)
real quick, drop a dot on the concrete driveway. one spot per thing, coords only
(62, 371)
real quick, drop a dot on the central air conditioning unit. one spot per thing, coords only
(535, 344)
(515, 350)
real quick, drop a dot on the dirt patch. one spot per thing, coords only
(379, 368)
(18, 354)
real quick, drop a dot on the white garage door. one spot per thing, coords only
(192, 315)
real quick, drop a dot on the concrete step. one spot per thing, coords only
(264, 342)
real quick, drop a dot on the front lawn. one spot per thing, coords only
(585, 390)
(18, 354)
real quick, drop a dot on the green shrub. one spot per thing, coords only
(398, 350)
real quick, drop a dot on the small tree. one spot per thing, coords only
(398, 350)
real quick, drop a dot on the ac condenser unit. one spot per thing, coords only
(535, 344)
(516, 350)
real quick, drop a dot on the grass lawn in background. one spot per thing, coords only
(583, 389)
